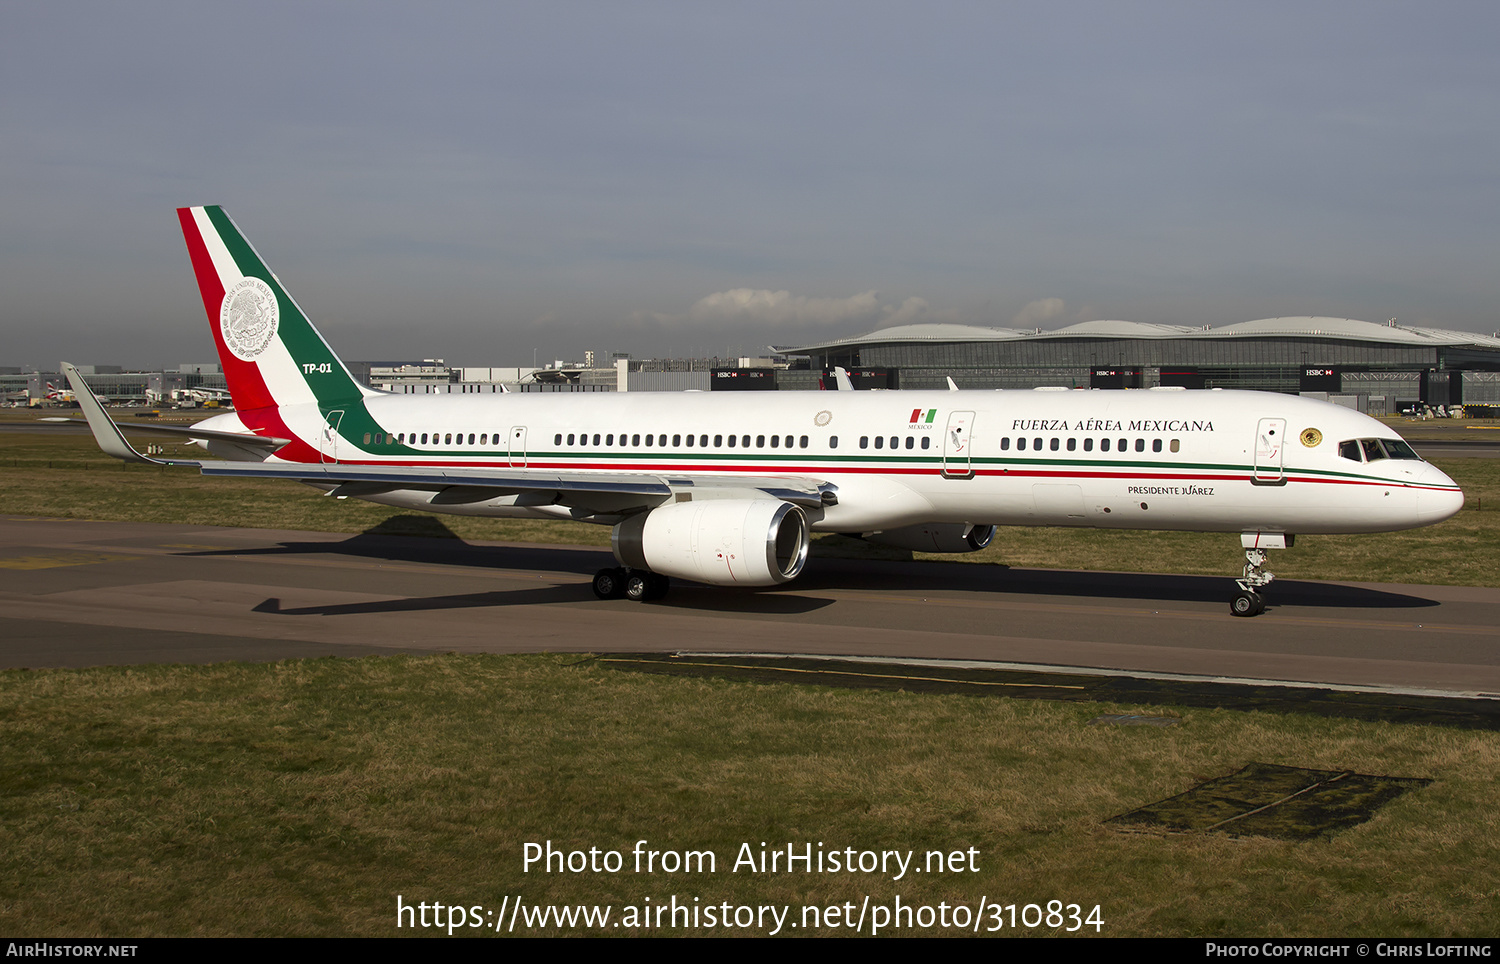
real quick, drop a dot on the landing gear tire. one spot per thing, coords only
(609, 583)
(1247, 603)
(646, 586)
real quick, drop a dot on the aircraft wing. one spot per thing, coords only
(590, 493)
(267, 442)
(112, 440)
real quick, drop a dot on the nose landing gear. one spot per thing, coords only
(1248, 601)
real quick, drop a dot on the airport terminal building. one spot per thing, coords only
(1388, 366)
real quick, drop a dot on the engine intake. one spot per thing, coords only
(723, 542)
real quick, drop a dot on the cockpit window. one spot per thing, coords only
(1374, 449)
(1398, 449)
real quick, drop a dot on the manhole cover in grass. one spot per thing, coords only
(1263, 800)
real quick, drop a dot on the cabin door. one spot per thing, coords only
(957, 446)
(1270, 444)
(518, 447)
(328, 441)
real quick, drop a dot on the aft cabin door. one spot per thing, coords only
(957, 445)
(518, 447)
(1270, 439)
(328, 442)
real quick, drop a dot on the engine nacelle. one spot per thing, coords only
(936, 537)
(723, 542)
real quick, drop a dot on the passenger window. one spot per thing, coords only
(775, 441)
(689, 441)
(1036, 444)
(1104, 445)
(732, 440)
(1156, 445)
(926, 441)
(367, 438)
(880, 441)
(911, 442)
(570, 438)
(1140, 445)
(649, 440)
(1176, 445)
(662, 441)
(1021, 444)
(635, 440)
(760, 441)
(558, 439)
(1123, 446)
(745, 442)
(895, 442)
(718, 441)
(1088, 445)
(1072, 445)
(1056, 444)
(676, 440)
(1004, 444)
(447, 438)
(833, 441)
(802, 442)
(424, 438)
(471, 438)
(703, 441)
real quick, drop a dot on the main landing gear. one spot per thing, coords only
(1248, 601)
(638, 585)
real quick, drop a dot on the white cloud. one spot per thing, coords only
(1036, 312)
(783, 309)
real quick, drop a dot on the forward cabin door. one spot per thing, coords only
(518, 447)
(1270, 445)
(328, 441)
(957, 446)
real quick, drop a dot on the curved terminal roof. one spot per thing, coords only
(1292, 327)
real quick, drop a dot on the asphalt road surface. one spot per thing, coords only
(92, 593)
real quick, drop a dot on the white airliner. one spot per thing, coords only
(725, 488)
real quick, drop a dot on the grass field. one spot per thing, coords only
(67, 476)
(303, 797)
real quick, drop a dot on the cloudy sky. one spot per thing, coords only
(481, 181)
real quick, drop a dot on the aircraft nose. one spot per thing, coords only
(1439, 498)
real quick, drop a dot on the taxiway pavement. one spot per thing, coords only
(78, 593)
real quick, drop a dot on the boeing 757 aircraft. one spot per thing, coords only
(726, 488)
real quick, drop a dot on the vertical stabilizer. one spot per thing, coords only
(271, 353)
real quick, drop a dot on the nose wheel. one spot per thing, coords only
(1247, 603)
(1248, 600)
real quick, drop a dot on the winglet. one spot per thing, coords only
(106, 432)
(845, 383)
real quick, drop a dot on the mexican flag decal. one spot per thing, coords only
(919, 417)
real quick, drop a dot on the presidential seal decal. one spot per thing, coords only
(823, 418)
(1311, 437)
(247, 318)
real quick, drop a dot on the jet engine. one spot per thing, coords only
(723, 542)
(935, 537)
